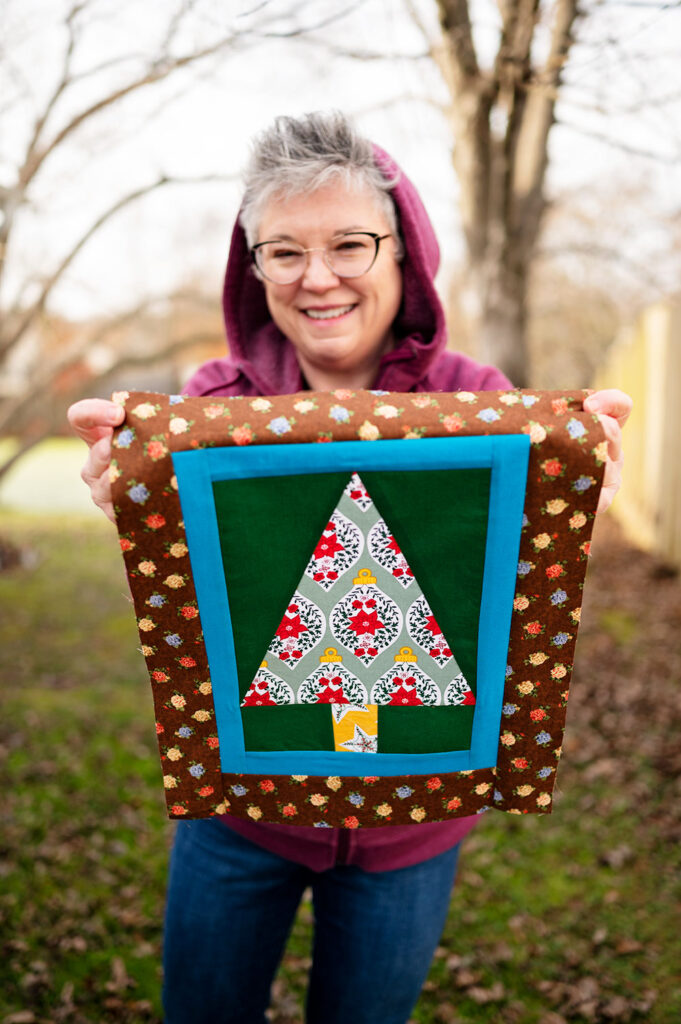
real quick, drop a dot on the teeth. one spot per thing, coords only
(328, 314)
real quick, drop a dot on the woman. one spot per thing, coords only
(329, 284)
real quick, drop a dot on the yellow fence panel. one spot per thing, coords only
(645, 361)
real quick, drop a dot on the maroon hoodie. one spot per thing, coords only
(263, 362)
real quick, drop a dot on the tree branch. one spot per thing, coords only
(158, 71)
(623, 147)
(120, 204)
(58, 413)
(531, 146)
(471, 99)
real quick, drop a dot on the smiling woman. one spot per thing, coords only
(305, 307)
(340, 325)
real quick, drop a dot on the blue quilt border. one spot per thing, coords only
(506, 455)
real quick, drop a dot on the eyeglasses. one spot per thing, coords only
(348, 255)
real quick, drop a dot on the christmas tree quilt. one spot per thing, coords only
(326, 609)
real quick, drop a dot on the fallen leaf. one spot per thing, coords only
(617, 1008)
(626, 946)
(494, 994)
(464, 977)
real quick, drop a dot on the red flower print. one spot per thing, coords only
(267, 785)
(291, 627)
(155, 521)
(351, 822)
(206, 791)
(256, 699)
(554, 571)
(331, 695)
(434, 783)
(188, 611)
(452, 423)
(186, 661)
(156, 449)
(432, 626)
(404, 697)
(242, 435)
(365, 622)
(328, 547)
(552, 467)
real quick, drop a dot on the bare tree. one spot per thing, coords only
(501, 118)
(501, 111)
(194, 39)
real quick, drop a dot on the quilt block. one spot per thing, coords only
(345, 629)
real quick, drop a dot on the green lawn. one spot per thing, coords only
(573, 917)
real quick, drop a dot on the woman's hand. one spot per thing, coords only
(94, 420)
(613, 408)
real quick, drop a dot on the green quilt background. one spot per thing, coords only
(268, 528)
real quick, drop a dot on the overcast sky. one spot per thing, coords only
(198, 125)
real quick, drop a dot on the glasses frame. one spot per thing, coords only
(325, 255)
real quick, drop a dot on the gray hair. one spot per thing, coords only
(298, 155)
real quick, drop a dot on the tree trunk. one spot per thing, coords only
(501, 119)
(502, 317)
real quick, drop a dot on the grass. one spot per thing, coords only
(573, 917)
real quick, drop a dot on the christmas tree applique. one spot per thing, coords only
(358, 631)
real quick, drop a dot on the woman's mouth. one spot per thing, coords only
(328, 312)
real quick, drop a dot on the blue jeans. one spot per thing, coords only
(230, 908)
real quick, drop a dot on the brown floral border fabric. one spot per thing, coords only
(567, 459)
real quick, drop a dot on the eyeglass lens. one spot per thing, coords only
(350, 255)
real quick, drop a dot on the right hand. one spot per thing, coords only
(94, 419)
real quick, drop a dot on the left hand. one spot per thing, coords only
(612, 408)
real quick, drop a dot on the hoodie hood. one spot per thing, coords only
(260, 351)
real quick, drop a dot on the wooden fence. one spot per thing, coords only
(645, 361)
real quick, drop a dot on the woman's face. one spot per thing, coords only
(358, 312)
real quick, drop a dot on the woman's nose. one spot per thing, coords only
(318, 276)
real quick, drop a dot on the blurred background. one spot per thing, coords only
(545, 139)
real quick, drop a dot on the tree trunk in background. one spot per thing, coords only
(501, 119)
